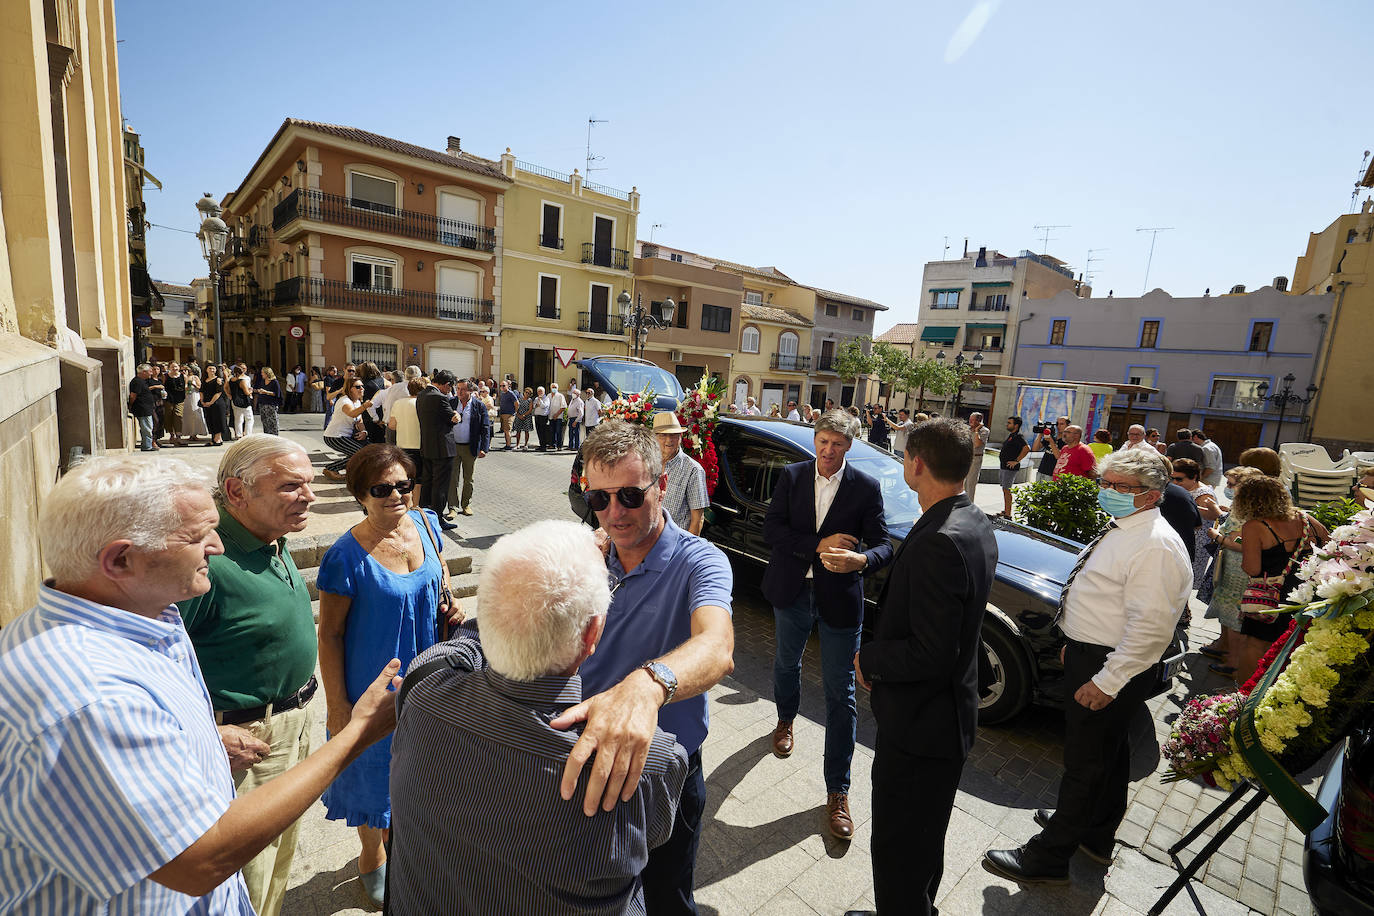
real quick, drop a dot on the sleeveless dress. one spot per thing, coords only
(1272, 562)
(392, 616)
(193, 418)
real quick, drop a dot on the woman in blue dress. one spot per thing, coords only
(380, 598)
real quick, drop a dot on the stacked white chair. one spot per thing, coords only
(1312, 476)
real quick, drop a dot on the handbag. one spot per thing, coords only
(441, 629)
(1265, 593)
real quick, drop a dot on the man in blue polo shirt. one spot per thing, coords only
(669, 638)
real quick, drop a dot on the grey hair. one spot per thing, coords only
(251, 457)
(108, 499)
(413, 372)
(1146, 465)
(839, 421)
(143, 367)
(613, 440)
(540, 587)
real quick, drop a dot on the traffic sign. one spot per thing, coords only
(565, 355)
(297, 332)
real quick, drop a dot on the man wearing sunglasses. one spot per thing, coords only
(668, 639)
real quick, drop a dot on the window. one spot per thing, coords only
(385, 355)
(755, 469)
(373, 273)
(787, 344)
(680, 319)
(988, 340)
(1236, 393)
(749, 340)
(1260, 334)
(548, 296)
(1142, 375)
(1057, 329)
(753, 297)
(857, 315)
(995, 302)
(1149, 334)
(368, 192)
(715, 318)
(656, 310)
(551, 227)
(944, 298)
(674, 256)
(832, 311)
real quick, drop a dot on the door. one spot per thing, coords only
(787, 352)
(818, 393)
(461, 361)
(457, 294)
(549, 236)
(602, 237)
(458, 217)
(1232, 436)
(538, 368)
(772, 394)
(600, 309)
(827, 356)
(741, 392)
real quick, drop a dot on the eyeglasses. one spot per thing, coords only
(383, 490)
(629, 497)
(351, 387)
(1121, 487)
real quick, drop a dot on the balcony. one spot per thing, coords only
(826, 363)
(789, 362)
(306, 204)
(974, 348)
(618, 258)
(550, 241)
(597, 323)
(244, 303)
(1249, 407)
(985, 307)
(313, 292)
(259, 239)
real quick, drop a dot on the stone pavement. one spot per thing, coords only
(764, 849)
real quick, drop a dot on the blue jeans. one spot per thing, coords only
(838, 645)
(145, 432)
(575, 435)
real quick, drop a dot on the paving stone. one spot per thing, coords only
(1257, 896)
(785, 903)
(1261, 872)
(1294, 900)
(1264, 850)
(1172, 818)
(1224, 869)
(1131, 834)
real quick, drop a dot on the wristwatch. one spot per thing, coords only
(664, 676)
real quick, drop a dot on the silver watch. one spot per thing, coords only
(664, 676)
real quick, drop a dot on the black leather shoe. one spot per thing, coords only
(1010, 864)
(446, 526)
(1042, 818)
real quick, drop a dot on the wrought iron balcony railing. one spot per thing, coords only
(598, 323)
(618, 258)
(550, 241)
(304, 203)
(789, 362)
(315, 292)
(825, 363)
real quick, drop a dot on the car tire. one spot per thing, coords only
(1011, 685)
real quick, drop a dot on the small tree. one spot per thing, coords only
(929, 376)
(1067, 507)
(892, 367)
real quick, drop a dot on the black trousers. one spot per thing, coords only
(434, 477)
(541, 429)
(913, 798)
(1097, 762)
(670, 872)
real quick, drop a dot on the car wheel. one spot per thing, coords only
(1006, 680)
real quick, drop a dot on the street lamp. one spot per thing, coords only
(213, 235)
(638, 322)
(1284, 399)
(976, 363)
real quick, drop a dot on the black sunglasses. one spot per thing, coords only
(629, 497)
(383, 490)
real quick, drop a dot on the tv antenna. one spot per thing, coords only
(1154, 234)
(590, 158)
(1359, 182)
(1048, 230)
(652, 229)
(1088, 264)
(945, 256)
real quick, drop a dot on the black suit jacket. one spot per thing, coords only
(923, 660)
(1180, 510)
(790, 528)
(479, 425)
(435, 414)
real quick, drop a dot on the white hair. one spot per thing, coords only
(1145, 465)
(108, 499)
(540, 588)
(251, 457)
(413, 372)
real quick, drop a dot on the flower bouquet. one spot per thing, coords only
(697, 414)
(636, 407)
(1315, 687)
(1200, 735)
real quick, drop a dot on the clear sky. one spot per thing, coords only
(841, 143)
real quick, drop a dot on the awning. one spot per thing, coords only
(939, 335)
(991, 284)
(986, 327)
(947, 289)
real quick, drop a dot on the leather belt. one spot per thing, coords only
(253, 713)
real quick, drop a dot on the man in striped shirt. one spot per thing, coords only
(116, 785)
(685, 499)
(477, 820)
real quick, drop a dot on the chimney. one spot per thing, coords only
(454, 146)
(1238, 289)
(965, 247)
(982, 257)
(1281, 284)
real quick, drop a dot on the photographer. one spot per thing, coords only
(877, 426)
(1049, 439)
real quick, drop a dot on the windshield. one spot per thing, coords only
(900, 508)
(627, 378)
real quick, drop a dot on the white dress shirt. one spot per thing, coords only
(826, 488)
(591, 412)
(793, 415)
(1129, 595)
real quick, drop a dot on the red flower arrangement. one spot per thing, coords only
(636, 407)
(697, 415)
(1267, 659)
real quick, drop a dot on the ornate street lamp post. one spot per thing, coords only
(976, 363)
(1284, 399)
(213, 235)
(639, 322)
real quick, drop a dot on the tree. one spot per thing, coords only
(851, 361)
(928, 375)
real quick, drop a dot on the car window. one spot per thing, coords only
(900, 506)
(627, 378)
(755, 469)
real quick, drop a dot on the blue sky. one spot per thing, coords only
(840, 143)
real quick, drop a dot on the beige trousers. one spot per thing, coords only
(289, 735)
(971, 479)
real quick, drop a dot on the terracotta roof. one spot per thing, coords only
(853, 300)
(174, 289)
(901, 334)
(465, 161)
(767, 273)
(768, 313)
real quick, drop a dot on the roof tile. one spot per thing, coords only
(465, 161)
(768, 313)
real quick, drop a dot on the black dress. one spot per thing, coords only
(1273, 561)
(214, 413)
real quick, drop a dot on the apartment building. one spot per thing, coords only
(350, 246)
(1213, 359)
(175, 332)
(706, 311)
(839, 318)
(566, 255)
(773, 362)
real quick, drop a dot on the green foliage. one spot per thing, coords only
(1334, 514)
(1066, 507)
(851, 361)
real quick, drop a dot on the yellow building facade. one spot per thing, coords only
(65, 324)
(1340, 260)
(773, 362)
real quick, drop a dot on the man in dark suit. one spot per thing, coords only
(437, 448)
(821, 511)
(922, 667)
(471, 435)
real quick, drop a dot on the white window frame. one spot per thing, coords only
(395, 181)
(374, 262)
(744, 339)
(753, 297)
(795, 338)
(377, 340)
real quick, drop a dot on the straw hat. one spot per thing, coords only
(665, 421)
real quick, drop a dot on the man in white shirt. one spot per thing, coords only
(541, 418)
(900, 430)
(591, 410)
(576, 406)
(557, 404)
(1211, 454)
(386, 399)
(1135, 438)
(1119, 608)
(750, 407)
(792, 411)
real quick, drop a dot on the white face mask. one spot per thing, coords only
(1229, 492)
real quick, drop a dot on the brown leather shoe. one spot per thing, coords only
(837, 810)
(331, 474)
(782, 739)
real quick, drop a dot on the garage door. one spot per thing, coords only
(461, 361)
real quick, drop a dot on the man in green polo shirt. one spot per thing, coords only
(254, 632)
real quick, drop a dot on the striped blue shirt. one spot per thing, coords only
(110, 762)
